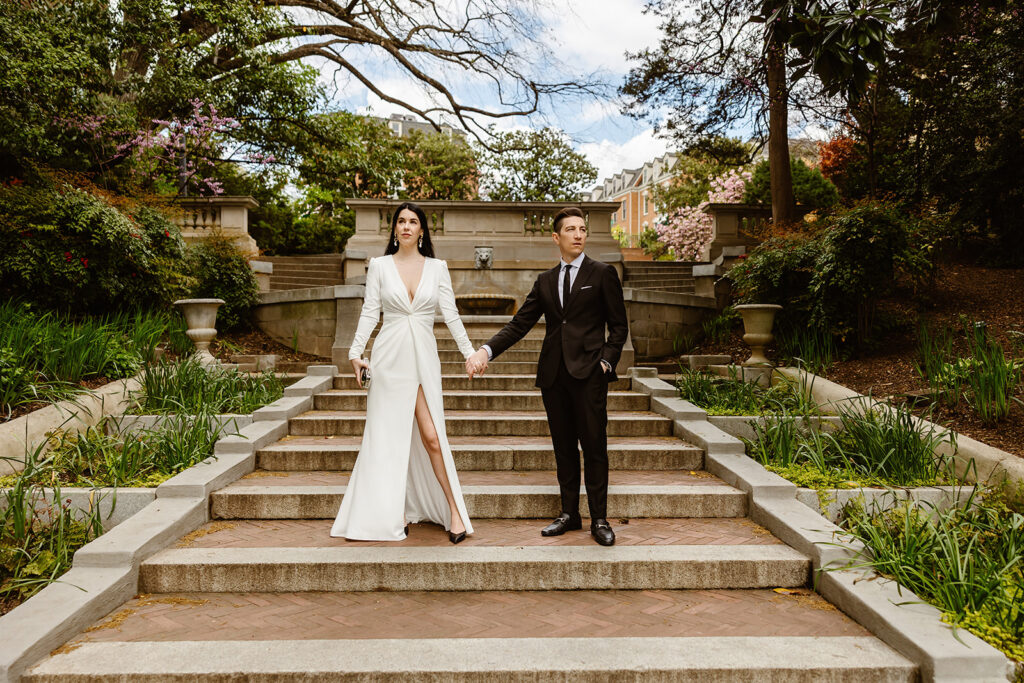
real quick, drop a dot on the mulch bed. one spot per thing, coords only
(992, 295)
(255, 342)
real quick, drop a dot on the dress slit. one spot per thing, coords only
(419, 449)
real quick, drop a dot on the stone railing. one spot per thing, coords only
(200, 217)
(517, 233)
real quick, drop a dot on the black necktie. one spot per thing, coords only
(565, 288)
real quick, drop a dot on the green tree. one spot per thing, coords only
(810, 187)
(439, 166)
(722, 64)
(534, 166)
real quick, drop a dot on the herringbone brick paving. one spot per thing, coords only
(314, 533)
(499, 478)
(525, 614)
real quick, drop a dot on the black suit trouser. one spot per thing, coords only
(577, 411)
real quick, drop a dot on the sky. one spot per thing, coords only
(588, 36)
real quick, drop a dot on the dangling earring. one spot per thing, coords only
(421, 240)
(396, 240)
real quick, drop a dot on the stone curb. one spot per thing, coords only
(913, 628)
(77, 414)
(919, 634)
(257, 435)
(283, 408)
(740, 425)
(880, 499)
(115, 504)
(160, 523)
(63, 609)
(228, 423)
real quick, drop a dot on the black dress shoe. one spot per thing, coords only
(406, 529)
(602, 532)
(457, 538)
(564, 522)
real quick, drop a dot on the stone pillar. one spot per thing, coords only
(262, 270)
(348, 303)
(225, 215)
(353, 266)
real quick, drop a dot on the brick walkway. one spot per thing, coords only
(530, 614)
(499, 478)
(312, 533)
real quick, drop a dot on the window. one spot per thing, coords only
(646, 206)
(614, 219)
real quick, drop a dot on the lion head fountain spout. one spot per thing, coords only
(485, 297)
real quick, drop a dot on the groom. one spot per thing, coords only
(578, 298)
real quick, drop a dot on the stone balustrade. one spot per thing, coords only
(200, 217)
(518, 233)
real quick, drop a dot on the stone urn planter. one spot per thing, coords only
(201, 318)
(757, 329)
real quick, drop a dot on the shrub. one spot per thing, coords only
(810, 187)
(833, 279)
(733, 396)
(222, 272)
(65, 248)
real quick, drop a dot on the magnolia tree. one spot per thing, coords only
(688, 231)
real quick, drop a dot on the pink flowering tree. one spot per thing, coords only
(687, 231)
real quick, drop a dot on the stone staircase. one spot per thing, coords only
(662, 276)
(692, 590)
(300, 272)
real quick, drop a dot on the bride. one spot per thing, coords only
(404, 471)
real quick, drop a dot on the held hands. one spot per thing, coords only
(357, 367)
(476, 364)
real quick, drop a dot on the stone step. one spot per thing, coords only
(677, 635)
(296, 453)
(304, 281)
(307, 270)
(305, 258)
(355, 399)
(512, 355)
(497, 494)
(355, 567)
(665, 288)
(658, 280)
(279, 286)
(489, 382)
(498, 367)
(479, 423)
(532, 344)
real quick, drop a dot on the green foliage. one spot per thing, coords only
(66, 248)
(438, 166)
(534, 166)
(189, 387)
(808, 347)
(810, 187)
(966, 561)
(869, 448)
(718, 328)
(833, 279)
(733, 396)
(43, 355)
(986, 377)
(653, 246)
(223, 273)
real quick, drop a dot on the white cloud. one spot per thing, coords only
(611, 157)
(594, 35)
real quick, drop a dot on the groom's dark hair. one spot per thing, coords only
(562, 214)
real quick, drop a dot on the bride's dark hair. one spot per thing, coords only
(427, 248)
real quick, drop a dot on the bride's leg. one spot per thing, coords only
(433, 447)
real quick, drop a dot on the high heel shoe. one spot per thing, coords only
(406, 529)
(457, 538)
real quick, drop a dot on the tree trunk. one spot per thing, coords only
(783, 203)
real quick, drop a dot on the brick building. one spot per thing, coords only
(632, 188)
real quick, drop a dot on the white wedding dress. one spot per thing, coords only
(392, 482)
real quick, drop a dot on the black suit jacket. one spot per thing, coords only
(577, 334)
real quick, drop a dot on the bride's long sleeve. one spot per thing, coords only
(369, 316)
(450, 312)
